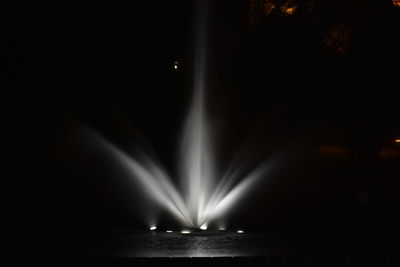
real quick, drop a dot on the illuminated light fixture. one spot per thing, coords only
(153, 228)
(240, 231)
(185, 232)
(397, 140)
(176, 65)
(168, 231)
(203, 227)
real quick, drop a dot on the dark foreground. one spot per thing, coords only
(249, 261)
(124, 248)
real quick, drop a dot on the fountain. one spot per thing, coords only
(202, 198)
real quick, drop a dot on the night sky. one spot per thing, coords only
(271, 83)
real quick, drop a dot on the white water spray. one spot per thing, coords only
(201, 200)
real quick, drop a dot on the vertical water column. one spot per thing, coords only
(196, 157)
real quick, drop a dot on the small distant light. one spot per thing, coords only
(176, 65)
(153, 228)
(168, 231)
(185, 232)
(240, 231)
(203, 227)
(397, 140)
(222, 229)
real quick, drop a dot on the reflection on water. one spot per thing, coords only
(154, 244)
(178, 245)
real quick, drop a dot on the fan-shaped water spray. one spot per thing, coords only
(203, 198)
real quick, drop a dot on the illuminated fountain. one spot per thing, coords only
(202, 197)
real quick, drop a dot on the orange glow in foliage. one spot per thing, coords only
(289, 7)
(268, 7)
(289, 10)
(396, 3)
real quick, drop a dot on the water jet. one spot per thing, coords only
(202, 198)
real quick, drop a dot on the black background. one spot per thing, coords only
(110, 66)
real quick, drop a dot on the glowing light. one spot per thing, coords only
(289, 10)
(221, 229)
(396, 3)
(168, 231)
(240, 231)
(176, 65)
(185, 232)
(203, 227)
(397, 140)
(153, 228)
